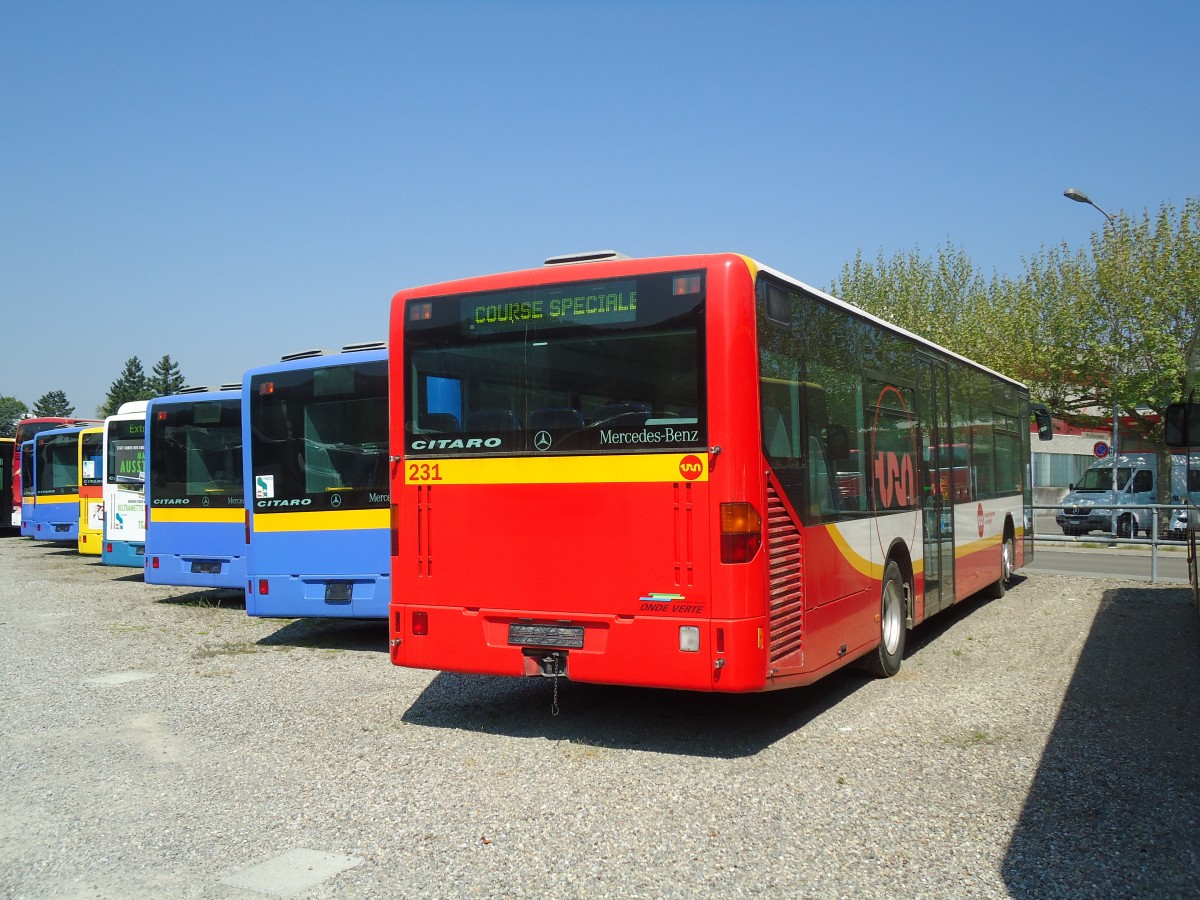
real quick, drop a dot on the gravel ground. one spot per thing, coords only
(158, 742)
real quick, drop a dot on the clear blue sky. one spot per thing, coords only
(226, 182)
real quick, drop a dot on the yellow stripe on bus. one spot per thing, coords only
(322, 520)
(859, 563)
(624, 469)
(188, 514)
(58, 498)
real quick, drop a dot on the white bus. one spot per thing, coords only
(124, 486)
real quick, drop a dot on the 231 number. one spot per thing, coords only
(424, 472)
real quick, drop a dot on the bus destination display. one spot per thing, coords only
(600, 303)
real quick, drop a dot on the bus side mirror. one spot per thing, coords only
(1182, 425)
(1041, 415)
(837, 442)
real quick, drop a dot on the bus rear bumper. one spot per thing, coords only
(123, 553)
(196, 571)
(647, 651)
(300, 596)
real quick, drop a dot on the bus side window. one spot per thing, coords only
(820, 492)
(775, 434)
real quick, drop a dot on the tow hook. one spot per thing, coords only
(553, 665)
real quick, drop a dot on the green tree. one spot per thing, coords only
(941, 298)
(1146, 279)
(1039, 331)
(54, 403)
(165, 379)
(11, 410)
(131, 384)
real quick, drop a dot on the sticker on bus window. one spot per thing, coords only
(264, 487)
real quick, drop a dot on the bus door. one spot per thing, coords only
(938, 484)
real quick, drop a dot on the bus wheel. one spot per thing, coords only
(1008, 553)
(884, 661)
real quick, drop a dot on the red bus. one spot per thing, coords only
(26, 430)
(687, 472)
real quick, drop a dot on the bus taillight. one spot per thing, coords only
(741, 532)
(420, 623)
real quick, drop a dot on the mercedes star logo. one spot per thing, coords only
(335, 501)
(541, 440)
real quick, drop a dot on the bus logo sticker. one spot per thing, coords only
(691, 467)
(264, 487)
(542, 440)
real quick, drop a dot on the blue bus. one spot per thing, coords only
(25, 477)
(316, 426)
(194, 506)
(124, 486)
(56, 484)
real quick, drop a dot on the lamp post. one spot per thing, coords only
(1080, 197)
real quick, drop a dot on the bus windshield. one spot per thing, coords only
(57, 464)
(1100, 479)
(612, 366)
(319, 437)
(127, 452)
(196, 452)
(91, 451)
(28, 488)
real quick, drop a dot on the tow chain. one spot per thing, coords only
(555, 674)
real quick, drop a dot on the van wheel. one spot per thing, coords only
(1125, 526)
(885, 660)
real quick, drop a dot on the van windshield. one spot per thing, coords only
(1101, 479)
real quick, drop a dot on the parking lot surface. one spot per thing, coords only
(158, 742)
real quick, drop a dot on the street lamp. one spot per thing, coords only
(1080, 197)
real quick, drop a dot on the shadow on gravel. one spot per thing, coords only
(694, 724)
(137, 576)
(721, 726)
(332, 634)
(1114, 809)
(210, 598)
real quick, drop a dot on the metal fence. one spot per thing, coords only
(1047, 530)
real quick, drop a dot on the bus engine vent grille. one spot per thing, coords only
(787, 579)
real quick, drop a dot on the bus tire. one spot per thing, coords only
(1008, 555)
(884, 661)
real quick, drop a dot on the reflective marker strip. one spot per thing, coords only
(619, 469)
(322, 520)
(198, 514)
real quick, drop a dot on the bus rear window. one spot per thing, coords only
(319, 438)
(196, 452)
(612, 366)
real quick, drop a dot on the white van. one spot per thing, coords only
(1088, 505)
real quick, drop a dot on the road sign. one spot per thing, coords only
(1100, 449)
